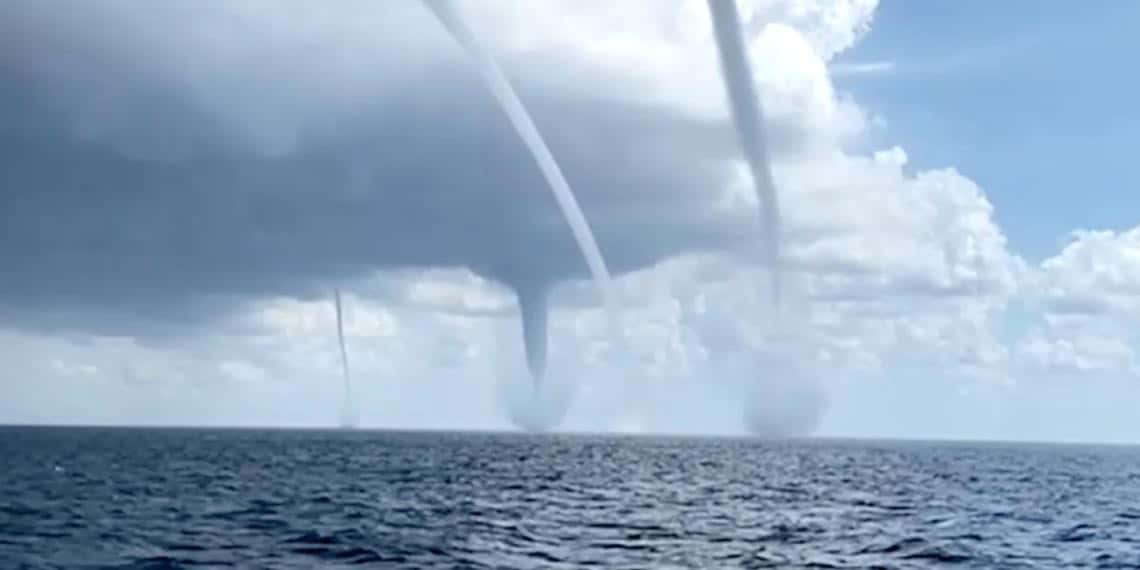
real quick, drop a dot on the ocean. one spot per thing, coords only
(208, 498)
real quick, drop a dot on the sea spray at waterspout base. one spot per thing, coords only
(347, 413)
(530, 406)
(748, 117)
(516, 113)
(786, 397)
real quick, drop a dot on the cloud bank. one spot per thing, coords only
(179, 201)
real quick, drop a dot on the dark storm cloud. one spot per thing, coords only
(129, 197)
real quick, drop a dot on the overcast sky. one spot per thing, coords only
(185, 182)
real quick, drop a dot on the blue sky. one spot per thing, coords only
(1035, 101)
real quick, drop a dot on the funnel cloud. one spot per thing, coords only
(532, 297)
(348, 415)
(748, 117)
(524, 126)
(534, 307)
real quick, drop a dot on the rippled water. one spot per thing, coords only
(139, 498)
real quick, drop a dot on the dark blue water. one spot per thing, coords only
(144, 498)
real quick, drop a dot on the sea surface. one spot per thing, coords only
(180, 498)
